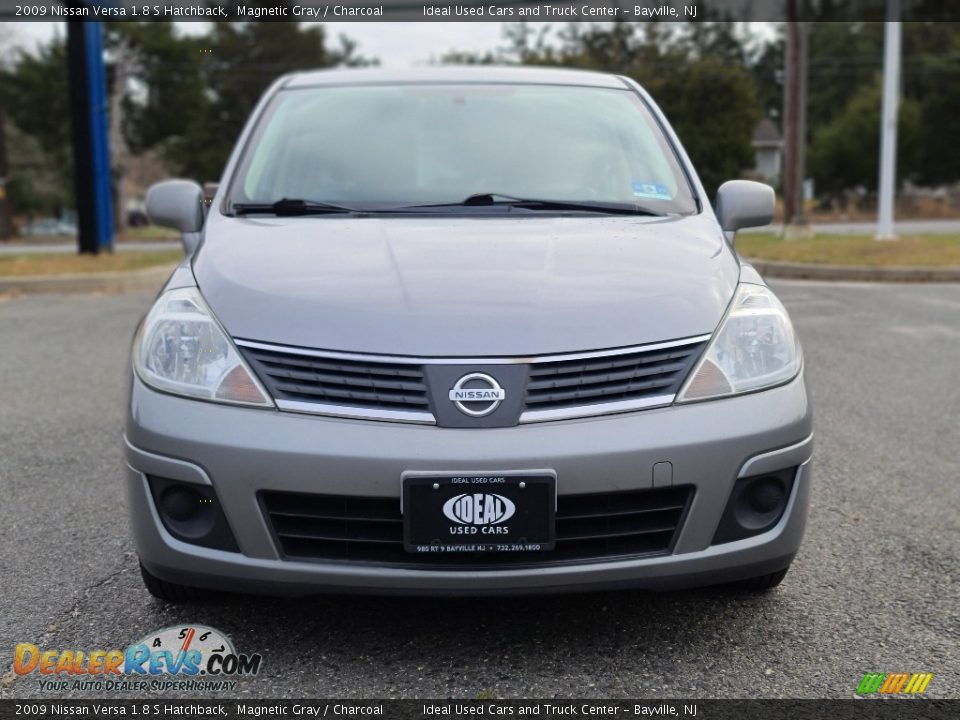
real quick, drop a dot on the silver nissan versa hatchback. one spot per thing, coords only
(463, 330)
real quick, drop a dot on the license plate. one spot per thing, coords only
(479, 513)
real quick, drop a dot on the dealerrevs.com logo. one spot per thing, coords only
(185, 658)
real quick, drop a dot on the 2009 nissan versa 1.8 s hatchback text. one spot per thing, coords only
(464, 331)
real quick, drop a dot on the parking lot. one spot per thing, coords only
(874, 589)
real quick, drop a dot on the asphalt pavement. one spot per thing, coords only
(874, 589)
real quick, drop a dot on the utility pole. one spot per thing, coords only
(888, 123)
(795, 123)
(6, 215)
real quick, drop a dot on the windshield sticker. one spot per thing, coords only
(651, 191)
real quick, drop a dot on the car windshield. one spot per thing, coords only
(390, 146)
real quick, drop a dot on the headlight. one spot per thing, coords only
(754, 348)
(182, 349)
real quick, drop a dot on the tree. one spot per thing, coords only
(931, 76)
(185, 97)
(243, 59)
(192, 95)
(845, 151)
(845, 104)
(697, 75)
(714, 110)
(844, 57)
(766, 66)
(34, 93)
(165, 84)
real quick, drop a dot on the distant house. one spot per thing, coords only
(768, 151)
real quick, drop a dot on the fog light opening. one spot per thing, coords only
(191, 513)
(755, 506)
(181, 503)
(760, 502)
(187, 511)
(766, 495)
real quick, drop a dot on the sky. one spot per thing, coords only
(390, 42)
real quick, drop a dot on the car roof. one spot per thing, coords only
(454, 74)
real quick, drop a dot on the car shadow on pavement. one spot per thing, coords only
(434, 627)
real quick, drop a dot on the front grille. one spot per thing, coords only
(333, 381)
(611, 378)
(408, 389)
(598, 526)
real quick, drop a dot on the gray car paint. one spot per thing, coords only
(466, 286)
(453, 74)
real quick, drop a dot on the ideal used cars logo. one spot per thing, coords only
(479, 509)
(191, 657)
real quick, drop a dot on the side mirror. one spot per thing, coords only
(176, 204)
(743, 204)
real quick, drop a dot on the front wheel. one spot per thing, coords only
(168, 591)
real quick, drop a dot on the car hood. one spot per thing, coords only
(447, 286)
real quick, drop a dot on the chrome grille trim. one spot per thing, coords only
(520, 360)
(357, 413)
(609, 408)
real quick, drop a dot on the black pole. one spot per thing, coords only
(82, 132)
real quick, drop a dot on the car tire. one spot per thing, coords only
(762, 583)
(168, 591)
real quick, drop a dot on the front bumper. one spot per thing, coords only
(241, 452)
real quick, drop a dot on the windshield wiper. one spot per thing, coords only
(297, 206)
(291, 206)
(488, 199)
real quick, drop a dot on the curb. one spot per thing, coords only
(859, 273)
(149, 279)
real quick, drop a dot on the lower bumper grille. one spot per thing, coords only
(597, 526)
